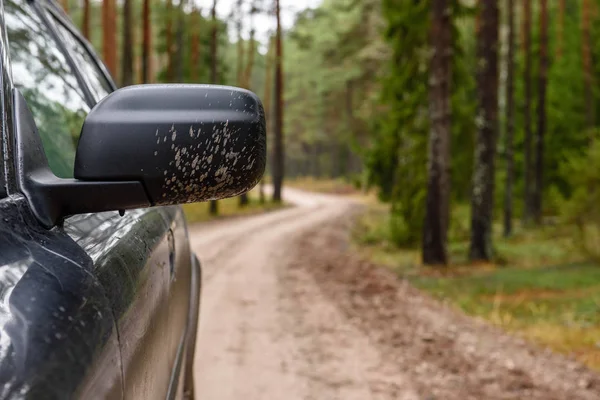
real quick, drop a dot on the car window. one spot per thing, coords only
(44, 77)
(93, 76)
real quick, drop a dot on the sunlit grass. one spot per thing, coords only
(331, 186)
(540, 285)
(198, 212)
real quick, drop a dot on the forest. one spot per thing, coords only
(434, 103)
(473, 123)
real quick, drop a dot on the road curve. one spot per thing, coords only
(246, 348)
(287, 312)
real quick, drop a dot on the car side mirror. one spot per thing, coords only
(148, 145)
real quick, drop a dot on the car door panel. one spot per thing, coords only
(140, 260)
(57, 334)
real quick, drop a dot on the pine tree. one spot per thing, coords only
(538, 186)
(214, 205)
(195, 45)
(482, 198)
(527, 79)
(587, 62)
(560, 40)
(85, 23)
(510, 118)
(437, 211)
(267, 101)
(277, 168)
(127, 54)
(169, 42)
(146, 43)
(247, 76)
(179, 42)
(109, 35)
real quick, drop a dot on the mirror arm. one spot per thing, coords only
(52, 198)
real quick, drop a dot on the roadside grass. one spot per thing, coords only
(541, 285)
(199, 212)
(329, 186)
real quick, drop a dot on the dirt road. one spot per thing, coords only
(289, 313)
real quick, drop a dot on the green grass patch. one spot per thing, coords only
(329, 186)
(541, 285)
(198, 212)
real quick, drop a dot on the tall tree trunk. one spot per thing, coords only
(247, 77)
(109, 36)
(346, 164)
(277, 168)
(240, 44)
(587, 63)
(243, 198)
(127, 55)
(267, 101)
(146, 43)
(510, 120)
(482, 198)
(527, 79)
(250, 62)
(538, 186)
(179, 73)
(169, 42)
(435, 227)
(85, 23)
(213, 44)
(560, 40)
(214, 205)
(195, 46)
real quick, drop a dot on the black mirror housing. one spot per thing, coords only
(185, 143)
(148, 145)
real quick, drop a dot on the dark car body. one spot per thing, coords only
(101, 305)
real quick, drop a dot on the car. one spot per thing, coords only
(99, 288)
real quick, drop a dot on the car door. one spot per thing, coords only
(58, 337)
(141, 259)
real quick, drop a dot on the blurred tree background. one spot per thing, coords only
(437, 104)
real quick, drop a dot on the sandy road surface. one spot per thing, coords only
(288, 313)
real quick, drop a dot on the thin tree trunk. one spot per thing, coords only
(65, 5)
(195, 45)
(127, 55)
(527, 77)
(267, 101)
(169, 42)
(213, 44)
(180, 41)
(482, 198)
(240, 45)
(510, 121)
(247, 77)
(250, 62)
(85, 24)
(146, 43)
(435, 227)
(109, 36)
(214, 205)
(560, 40)
(587, 63)
(538, 186)
(240, 77)
(278, 154)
